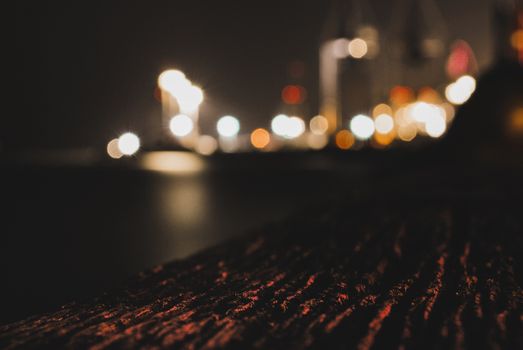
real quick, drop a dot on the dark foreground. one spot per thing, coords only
(361, 276)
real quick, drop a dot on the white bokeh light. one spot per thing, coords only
(228, 126)
(362, 127)
(181, 125)
(128, 144)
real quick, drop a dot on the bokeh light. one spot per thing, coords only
(460, 91)
(382, 108)
(173, 81)
(189, 98)
(206, 145)
(288, 127)
(317, 142)
(293, 94)
(128, 144)
(181, 125)
(228, 126)
(344, 139)
(384, 123)
(362, 126)
(319, 125)
(400, 95)
(260, 138)
(436, 126)
(358, 48)
(113, 150)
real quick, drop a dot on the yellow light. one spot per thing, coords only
(383, 140)
(319, 125)
(358, 48)
(384, 123)
(344, 139)
(382, 108)
(112, 149)
(128, 144)
(362, 126)
(260, 138)
(172, 162)
(206, 145)
(407, 133)
(181, 125)
(228, 126)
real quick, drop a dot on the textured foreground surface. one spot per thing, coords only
(361, 278)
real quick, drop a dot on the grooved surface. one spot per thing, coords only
(370, 277)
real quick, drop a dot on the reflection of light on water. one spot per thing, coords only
(172, 162)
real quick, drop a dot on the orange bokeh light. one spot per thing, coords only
(260, 138)
(400, 95)
(344, 139)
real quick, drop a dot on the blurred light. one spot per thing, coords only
(358, 48)
(407, 133)
(113, 150)
(371, 37)
(181, 125)
(429, 95)
(260, 138)
(432, 47)
(460, 91)
(172, 81)
(295, 127)
(172, 162)
(344, 139)
(461, 60)
(436, 126)
(317, 142)
(382, 108)
(362, 127)
(279, 124)
(516, 121)
(288, 127)
(383, 140)
(450, 111)
(189, 98)
(400, 95)
(516, 39)
(293, 94)
(128, 144)
(206, 145)
(228, 126)
(319, 125)
(340, 48)
(384, 123)
(423, 112)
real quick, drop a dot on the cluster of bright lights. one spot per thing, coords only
(460, 91)
(288, 127)
(188, 96)
(384, 123)
(228, 126)
(319, 125)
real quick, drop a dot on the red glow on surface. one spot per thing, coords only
(293, 94)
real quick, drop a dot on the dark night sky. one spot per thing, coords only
(86, 70)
